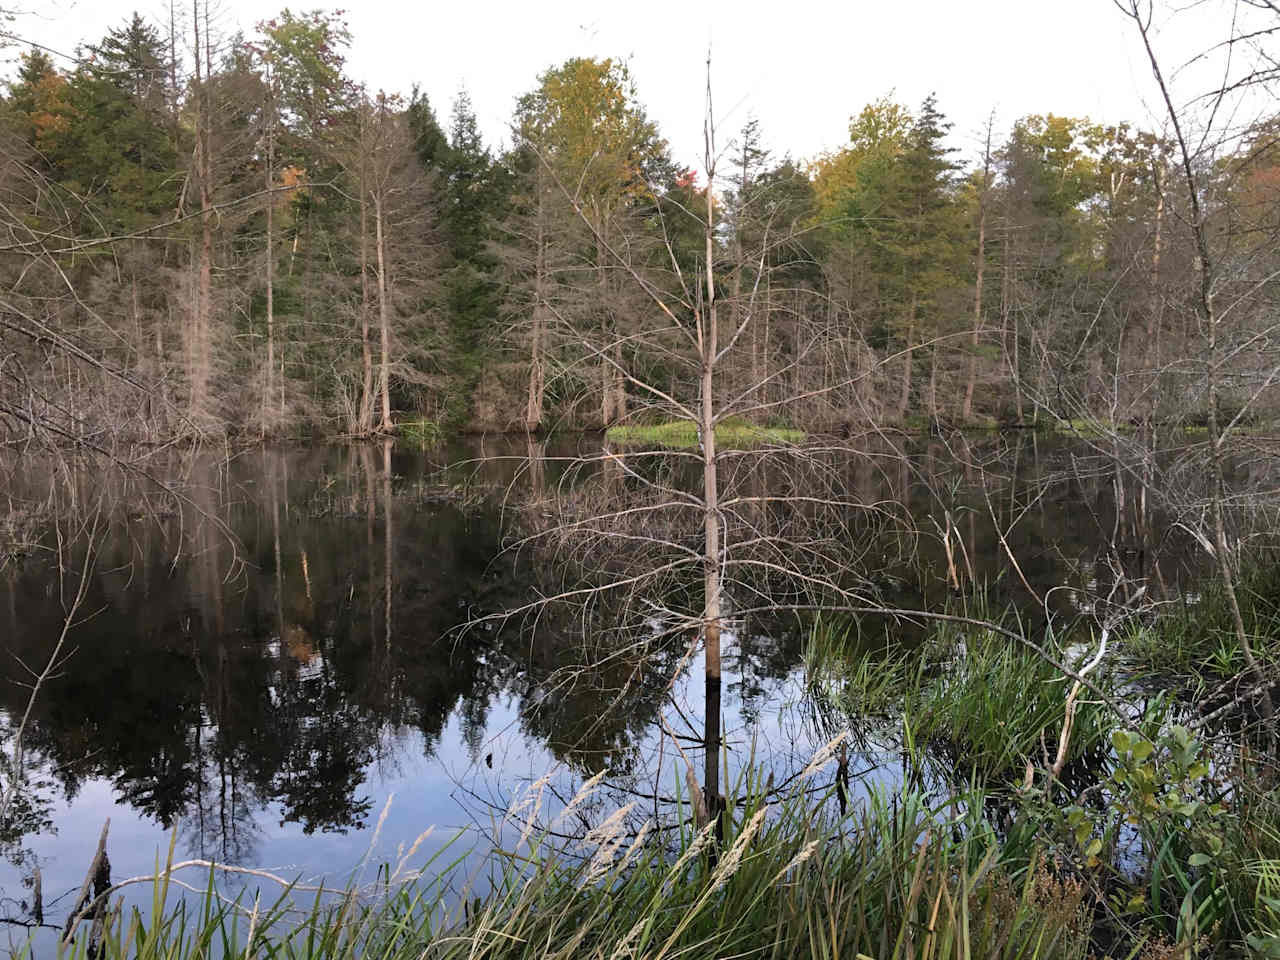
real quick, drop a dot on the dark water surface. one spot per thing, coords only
(263, 667)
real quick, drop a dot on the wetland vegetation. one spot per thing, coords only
(412, 548)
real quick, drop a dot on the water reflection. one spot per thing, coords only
(258, 658)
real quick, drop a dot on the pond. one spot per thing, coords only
(297, 663)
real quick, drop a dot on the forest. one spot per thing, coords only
(224, 235)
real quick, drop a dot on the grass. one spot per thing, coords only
(1175, 832)
(984, 704)
(1193, 426)
(732, 433)
(898, 879)
(1196, 641)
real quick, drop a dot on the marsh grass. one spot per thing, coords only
(1196, 641)
(895, 879)
(983, 705)
(995, 706)
(854, 674)
(733, 433)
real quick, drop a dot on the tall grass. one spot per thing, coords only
(1196, 637)
(896, 879)
(982, 703)
(422, 432)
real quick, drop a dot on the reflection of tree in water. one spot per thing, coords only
(207, 698)
(592, 699)
(207, 692)
(29, 807)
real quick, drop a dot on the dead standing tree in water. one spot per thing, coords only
(686, 535)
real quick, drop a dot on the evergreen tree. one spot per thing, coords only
(473, 202)
(117, 153)
(928, 241)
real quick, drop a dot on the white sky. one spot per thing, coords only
(801, 67)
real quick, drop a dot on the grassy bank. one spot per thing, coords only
(1194, 642)
(732, 433)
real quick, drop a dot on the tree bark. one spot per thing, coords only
(384, 320)
(201, 354)
(904, 397)
(608, 388)
(537, 376)
(711, 524)
(1006, 334)
(933, 383)
(1156, 307)
(366, 350)
(967, 411)
(271, 317)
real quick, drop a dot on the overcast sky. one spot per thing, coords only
(802, 68)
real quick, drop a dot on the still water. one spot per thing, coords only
(289, 665)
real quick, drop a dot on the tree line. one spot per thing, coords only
(211, 234)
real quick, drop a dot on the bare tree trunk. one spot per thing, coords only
(608, 411)
(1157, 301)
(384, 321)
(366, 351)
(619, 383)
(201, 352)
(271, 317)
(933, 383)
(173, 77)
(967, 411)
(537, 375)
(766, 306)
(904, 398)
(736, 311)
(711, 517)
(1006, 315)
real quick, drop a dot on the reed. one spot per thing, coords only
(897, 878)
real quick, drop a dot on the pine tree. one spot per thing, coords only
(929, 239)
(473, 201)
